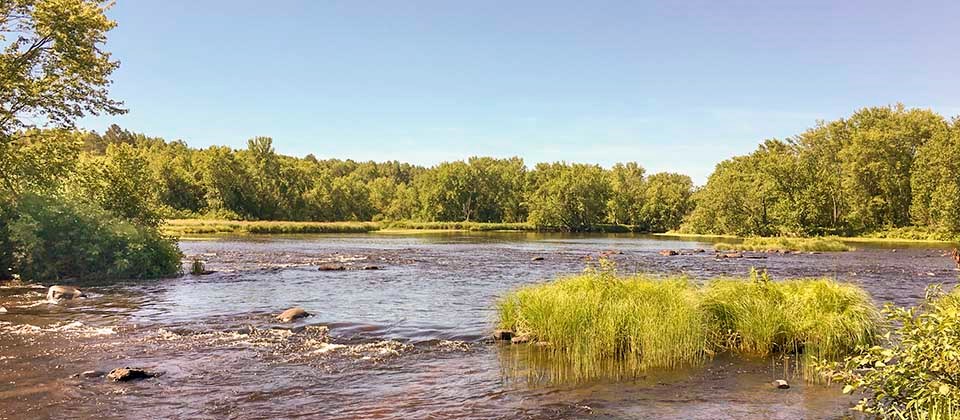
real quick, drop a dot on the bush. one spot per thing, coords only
(56, 238)
(914, 373)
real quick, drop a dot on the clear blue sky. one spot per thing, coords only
(674, 86)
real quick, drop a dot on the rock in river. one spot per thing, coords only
(292, 314)
(668, 253)
(520, 339)
(537, 258)
(125, 374)
(3, 310)
(58, 293)
(502, 335)
(781, 384)
(332, 267)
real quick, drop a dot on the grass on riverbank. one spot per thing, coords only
(787, 244)
(647, 322)
(181, 227)
(458, 226)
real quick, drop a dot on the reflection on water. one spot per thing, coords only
(406, 341)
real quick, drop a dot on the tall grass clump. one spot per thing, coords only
(645, 322)
(817, 318)
(786, 244)
(642, 321)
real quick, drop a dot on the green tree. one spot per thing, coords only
(572, 197)
(667, 199)
(54, 67)
(626, 194)
(935, 182)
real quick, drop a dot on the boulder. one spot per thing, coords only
(729, 255)
(332, 267)
(520, 339)
(3, 310)
(125, 374)
(668, 253)
(88, 374)
(502, 335)
(292, 314)
(58, 293)
(370, 267)
(781, 384)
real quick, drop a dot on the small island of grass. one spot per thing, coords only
(645, 322)
(785, 244)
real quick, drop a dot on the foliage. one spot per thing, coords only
(913, 372)
(53, 67)
(567, 196)
(786, 244)
(644, 321)
(882, 168)
(56, 238)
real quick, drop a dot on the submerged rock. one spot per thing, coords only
(88, 374)
(520, 339)
(502, 335)
(332, 267)
(668, 253)
(125, 374)
(729, 255)
(292, 314)
(58, 293)
(781, 384)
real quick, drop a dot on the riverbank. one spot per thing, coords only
(204, 227)
(186, 227)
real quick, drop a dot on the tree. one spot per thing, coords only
(626, 194)
(53, 68)
(935, 182)
(666, 200)
(572, 197)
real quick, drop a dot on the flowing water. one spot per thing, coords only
(408, 340)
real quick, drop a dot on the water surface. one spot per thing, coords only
(405, 341)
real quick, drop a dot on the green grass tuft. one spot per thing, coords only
(786, 244)
(645, 322)
(641, 321)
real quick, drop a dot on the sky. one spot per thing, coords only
(674, 86)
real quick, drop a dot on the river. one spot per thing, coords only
(408, 340)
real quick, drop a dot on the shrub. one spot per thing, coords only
(55, 238)
(914, 372)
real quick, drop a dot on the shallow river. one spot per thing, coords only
(405, 341)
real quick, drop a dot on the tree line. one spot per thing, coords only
(257, 183)
(883, 169)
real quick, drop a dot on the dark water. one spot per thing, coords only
(405, 341)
